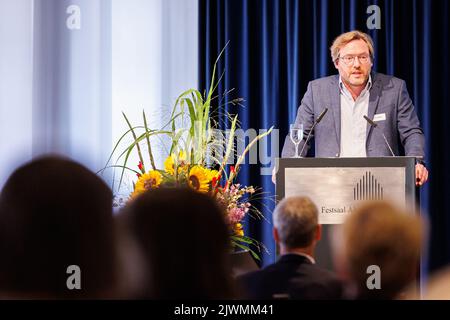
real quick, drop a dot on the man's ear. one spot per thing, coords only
(336, 63)
(275, 235)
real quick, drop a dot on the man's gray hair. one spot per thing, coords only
(296, 219)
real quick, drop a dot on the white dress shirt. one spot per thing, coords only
(353, 124)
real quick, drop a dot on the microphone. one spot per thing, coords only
(375, 125)
(319, 118)
(321, 115)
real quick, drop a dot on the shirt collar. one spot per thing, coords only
(307, 256)
(344, 89)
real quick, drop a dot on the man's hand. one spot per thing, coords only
(421, 174)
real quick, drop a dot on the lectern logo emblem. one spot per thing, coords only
(368, 188)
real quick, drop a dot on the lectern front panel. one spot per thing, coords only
(336, 191)
(337, 185)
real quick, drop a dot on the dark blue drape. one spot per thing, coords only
(277, 46)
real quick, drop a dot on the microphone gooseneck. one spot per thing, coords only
(375, 125)
(319, 118)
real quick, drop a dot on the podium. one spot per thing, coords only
(337, 185)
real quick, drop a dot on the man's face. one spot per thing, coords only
(356, 72)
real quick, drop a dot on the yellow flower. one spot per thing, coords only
(147, 181)
(169, 163)
(238, 230)
(213, 174)
(199, 178)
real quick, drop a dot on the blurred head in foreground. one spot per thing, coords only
(55, 213)
(379, 251)
(438, 286)
(184, 242)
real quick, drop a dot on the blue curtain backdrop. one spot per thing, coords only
(277, 46)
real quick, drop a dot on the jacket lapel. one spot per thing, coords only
(335, 104)
(373, 102)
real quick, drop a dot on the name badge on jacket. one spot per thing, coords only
(379, 117)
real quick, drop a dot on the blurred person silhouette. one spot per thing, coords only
(438, 286)
(295, 275)
(55, 213)
(378, 243)
(184, 243)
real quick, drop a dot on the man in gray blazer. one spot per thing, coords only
(354, 93)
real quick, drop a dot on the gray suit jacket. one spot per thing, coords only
(387, 95)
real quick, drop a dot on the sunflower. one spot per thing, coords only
(213, 174)
(199, 178)
(147, 181)
(169, 163)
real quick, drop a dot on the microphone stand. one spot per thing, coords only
(319, 118)
(375, 125)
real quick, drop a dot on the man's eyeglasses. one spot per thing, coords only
(350, 60)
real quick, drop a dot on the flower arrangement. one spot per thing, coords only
(198, 158)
